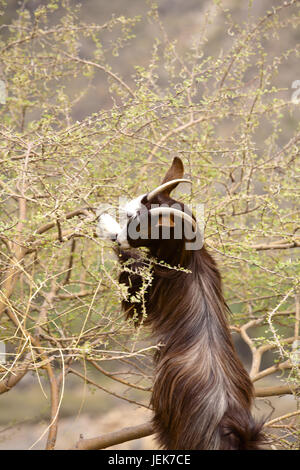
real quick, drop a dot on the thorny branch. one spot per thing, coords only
(59, 296)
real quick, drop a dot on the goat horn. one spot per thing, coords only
(170, 210)
(165, 186)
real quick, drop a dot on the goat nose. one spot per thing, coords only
(113, 238)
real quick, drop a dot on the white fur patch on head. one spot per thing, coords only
(108, 227)
(122, 238)
(133, 206)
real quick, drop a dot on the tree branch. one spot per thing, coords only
(279, 245)
(276, 391)
(116, 437)
(146, 429)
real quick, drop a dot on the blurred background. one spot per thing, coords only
(85, 409)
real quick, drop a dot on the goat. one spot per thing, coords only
(202, 395)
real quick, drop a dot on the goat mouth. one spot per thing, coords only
(124, 247)
(122, 243)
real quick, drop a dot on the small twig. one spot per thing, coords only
(60, 237)
(90, 381)
(70, 264)
(280, 418)
(297, 315)
(117, 379)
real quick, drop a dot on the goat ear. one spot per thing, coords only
(165, 221)
(175, 171)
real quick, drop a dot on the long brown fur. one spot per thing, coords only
(202, 394)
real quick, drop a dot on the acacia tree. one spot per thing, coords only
(237, 134)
